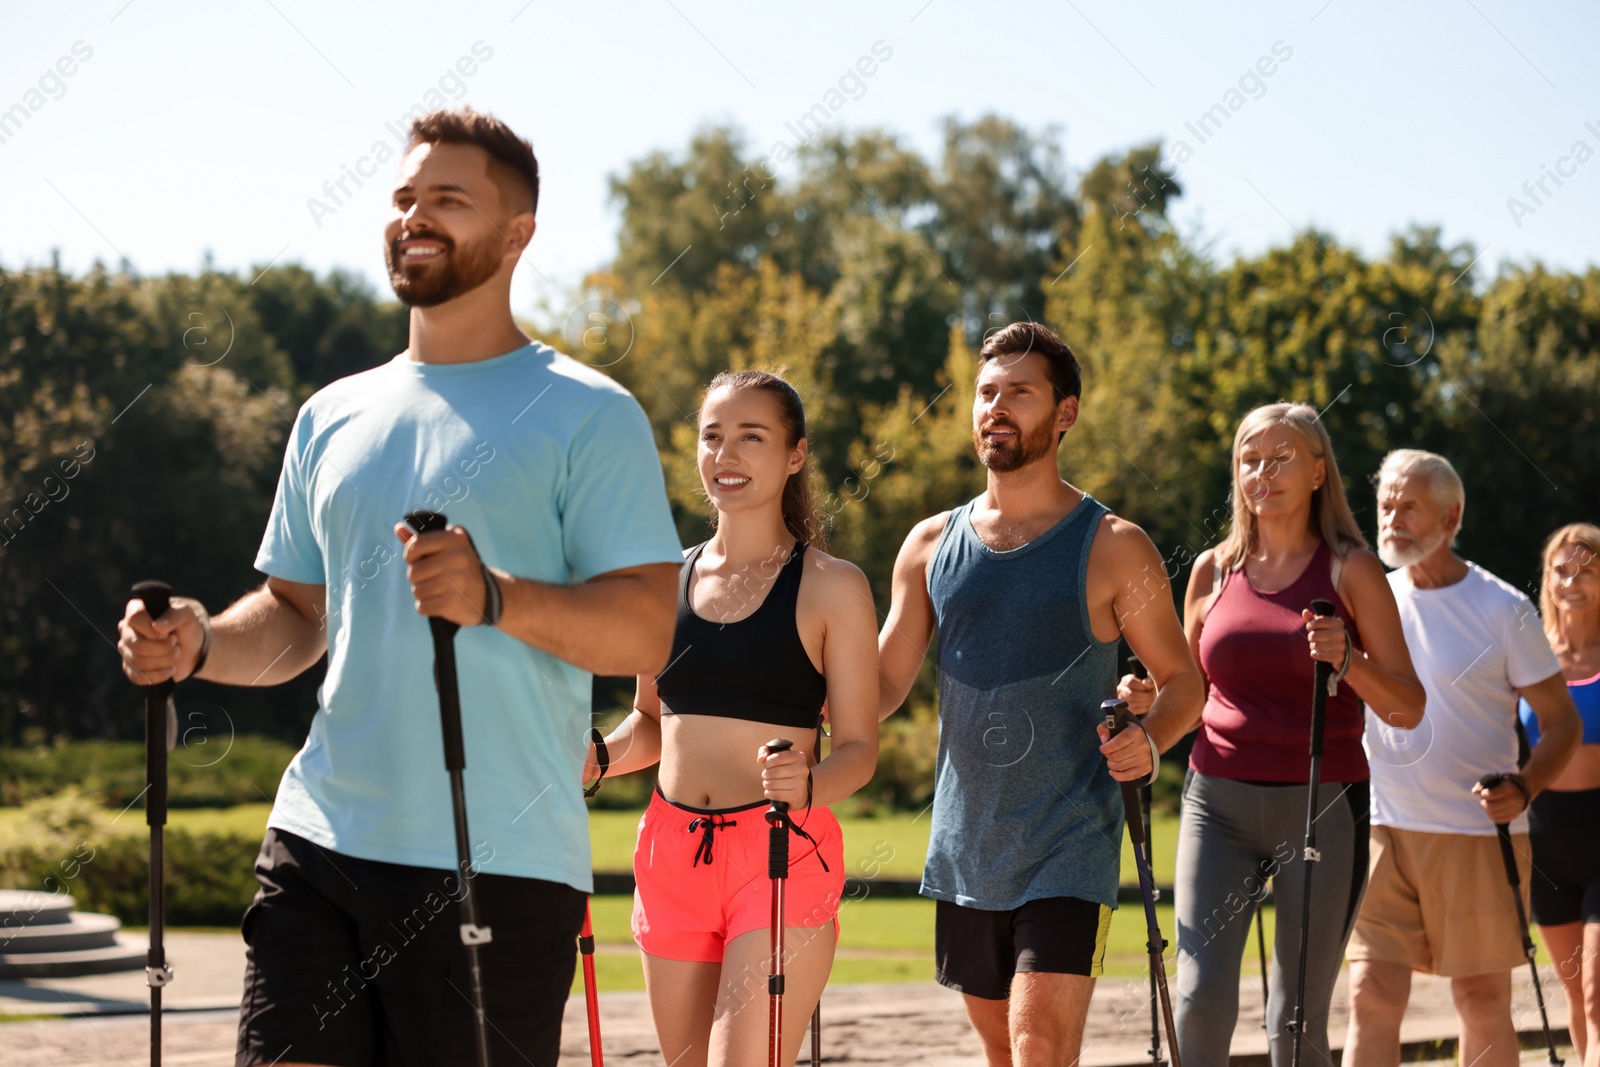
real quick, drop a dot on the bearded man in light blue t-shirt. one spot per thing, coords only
(561, 562)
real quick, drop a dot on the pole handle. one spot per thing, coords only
(444, 660)
(777, 821)
(1117, 719)
(1503, 831)
(1323, 671)
(424, 521)
(160, 718)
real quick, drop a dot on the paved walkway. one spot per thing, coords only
(890, 1026)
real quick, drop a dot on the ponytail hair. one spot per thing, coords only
(801, 516)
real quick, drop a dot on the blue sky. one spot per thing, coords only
(188, 127)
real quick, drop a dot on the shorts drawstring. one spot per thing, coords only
(815, 847)
(709, 824)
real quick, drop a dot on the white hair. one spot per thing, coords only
(1443, 481)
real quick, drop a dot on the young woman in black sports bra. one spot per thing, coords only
(770, 627)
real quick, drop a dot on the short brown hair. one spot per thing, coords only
(512, 164)
(1020, 338)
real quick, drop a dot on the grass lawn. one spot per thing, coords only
(892, 941)
(893, 846)
(249, 819)
(884, 940)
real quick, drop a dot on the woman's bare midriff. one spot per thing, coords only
(1581, 772)
(710, 762)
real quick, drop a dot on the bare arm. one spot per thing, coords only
(1149, 622)
(1560, 731)
(1140, 693)
(266, 637)
(619, 622)
(850, 665)
(636, 742)
(903, 642)
(1196, 599)
(1381, 674)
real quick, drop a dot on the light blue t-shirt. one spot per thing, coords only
(553, 470)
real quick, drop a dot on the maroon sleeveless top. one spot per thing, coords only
(1257, 721)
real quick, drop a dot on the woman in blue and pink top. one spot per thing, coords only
(1565, 886)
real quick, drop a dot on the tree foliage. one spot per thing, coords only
(142, 420)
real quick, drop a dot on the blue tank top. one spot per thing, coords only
(1586, 695)
(1023, 806)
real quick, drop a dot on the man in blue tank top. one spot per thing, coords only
(1029, 586)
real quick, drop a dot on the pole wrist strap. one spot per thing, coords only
(492, 603)
(601, 757)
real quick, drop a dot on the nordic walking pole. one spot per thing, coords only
(455, 761)
(590, 995)
(1489, 781)
(1261, 948)
(778, 872)
(1117, 718)
(1137, 668)
(159, 734)
(1322, 683)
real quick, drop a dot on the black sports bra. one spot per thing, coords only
(754, 669)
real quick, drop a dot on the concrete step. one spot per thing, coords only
(29, 907)
(79, 933)
(125, 954)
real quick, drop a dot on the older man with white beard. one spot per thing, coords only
(1438, 898)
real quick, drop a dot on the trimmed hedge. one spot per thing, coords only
(204, 771)
(68, 844)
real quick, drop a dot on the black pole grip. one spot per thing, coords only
(1117, 719)
(1137, 668)
(424, 521)
(1503, 831)
(444, 660)
(777, 822)
(157, 597)
(1319, 695)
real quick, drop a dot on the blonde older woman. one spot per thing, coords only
(1292, 540)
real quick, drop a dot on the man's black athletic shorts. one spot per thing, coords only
(977, 952)
(355, 963)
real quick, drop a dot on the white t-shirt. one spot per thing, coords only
(1473, 644)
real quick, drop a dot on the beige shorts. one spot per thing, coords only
(1441, 903)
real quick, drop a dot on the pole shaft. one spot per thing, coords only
(591, 997)
(775, 1017)
(1146, 823)
(1514, 876)
(445, 681)
(1322, 672)
(1261, 948)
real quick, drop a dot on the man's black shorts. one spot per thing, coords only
(355, 963)
(977, 951)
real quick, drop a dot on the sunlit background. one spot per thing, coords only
(189, 129)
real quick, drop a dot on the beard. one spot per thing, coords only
(1028, 447)
(428, 284)
(1395, 557)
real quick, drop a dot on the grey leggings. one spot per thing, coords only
(1232, 837)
